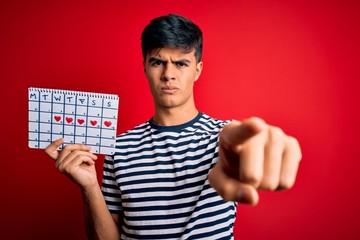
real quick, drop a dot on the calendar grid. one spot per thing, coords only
(39, 118)
(78, 117)
(87, 117)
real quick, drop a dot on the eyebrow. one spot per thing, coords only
(154, 59)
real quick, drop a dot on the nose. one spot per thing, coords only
(168, 72)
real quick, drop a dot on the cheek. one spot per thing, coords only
(189, 85)
(193, 74)
(149, 75)
(152, 74)
(152, 82)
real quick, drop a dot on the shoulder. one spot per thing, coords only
(211, 123)
(135, 133)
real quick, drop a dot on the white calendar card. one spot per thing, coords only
(78, 117)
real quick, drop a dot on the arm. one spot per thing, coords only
(252, 156)
(78, 163)
(99, 223)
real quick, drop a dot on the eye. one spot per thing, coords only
(181, 64)
(157, 63)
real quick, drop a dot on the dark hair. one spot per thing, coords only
(172, 31)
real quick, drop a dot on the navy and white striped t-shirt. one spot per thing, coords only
(157, 182)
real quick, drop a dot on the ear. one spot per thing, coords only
(199, 67)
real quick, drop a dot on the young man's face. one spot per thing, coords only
(171, 74)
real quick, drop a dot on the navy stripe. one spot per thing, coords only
(212, 233)
(153, 236)
(162, 189)
(165, 163)
(164, 171)
(135, 143)
(113, 195)
(165, 179)
(231, 208)
(162, 198)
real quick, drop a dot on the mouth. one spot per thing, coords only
(169, 89)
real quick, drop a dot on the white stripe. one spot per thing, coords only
(165, 159)
(170, 202)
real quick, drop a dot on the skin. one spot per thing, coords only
(171, 74)
(252, 154)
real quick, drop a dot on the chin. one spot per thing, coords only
(167, 104)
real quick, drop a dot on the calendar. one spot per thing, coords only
(78, 117)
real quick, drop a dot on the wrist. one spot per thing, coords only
(91, 190)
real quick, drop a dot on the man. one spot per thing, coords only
(180, 174)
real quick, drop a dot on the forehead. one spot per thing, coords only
(167, 52)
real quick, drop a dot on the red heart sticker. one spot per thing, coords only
(93, 122)
(68, 119)
(57, 118)
(80, 121)
(107, 123)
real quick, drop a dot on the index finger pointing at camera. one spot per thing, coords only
(236, 133)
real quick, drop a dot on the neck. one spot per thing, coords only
(173, 117)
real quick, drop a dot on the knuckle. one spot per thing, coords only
(293, 141)
(59, 167)
(276, 133)
(286, 184)
(251, 178)
(255, 119)
(77, 152)
(294, 144)
(269, 185)
(62, 166)
(226, 191)
(67, 146)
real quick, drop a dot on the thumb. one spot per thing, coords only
(236, 132)
(51, 150)
(231, 189)
(247, 194)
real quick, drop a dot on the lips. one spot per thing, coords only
(169, 89)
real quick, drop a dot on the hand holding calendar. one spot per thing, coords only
(78, 117)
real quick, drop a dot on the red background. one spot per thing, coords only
(293, 63)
